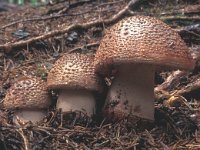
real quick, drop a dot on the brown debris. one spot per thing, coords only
(9, 46)
(35, 37)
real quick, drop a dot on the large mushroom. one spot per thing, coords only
(29, 99)
(135, 47)
(74, 77)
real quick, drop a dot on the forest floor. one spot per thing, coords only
(33, 38)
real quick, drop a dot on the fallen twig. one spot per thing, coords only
(8, 46)
(188, 9)
(171, 81)
(41, 18)
(168, 87)
(189, 88)
(64, 8)
(26, 143)
(82, 47)
(191, 18)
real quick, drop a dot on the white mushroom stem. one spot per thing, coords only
(77, 100)
(23, 116)
(132, 91)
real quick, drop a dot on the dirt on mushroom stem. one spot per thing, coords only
(131, 92)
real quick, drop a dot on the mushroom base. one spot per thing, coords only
(23, 116)
(131, 92)
(76, 100)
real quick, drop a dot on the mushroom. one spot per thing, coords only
(29, 99)
(134, 48)
(73, 75)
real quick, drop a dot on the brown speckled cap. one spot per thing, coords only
(27, 93)
(142, 39)
(74, 71)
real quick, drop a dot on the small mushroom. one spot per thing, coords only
(74, 77)
(29, 99)
(135, 47)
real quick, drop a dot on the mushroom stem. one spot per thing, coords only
(131, 92)
(29, 115)
(76, 100)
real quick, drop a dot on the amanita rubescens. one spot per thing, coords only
(74, 77)
(29, 99)
(136, 47)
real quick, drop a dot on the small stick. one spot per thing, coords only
(197, 18)
(85, 46)
(26, 143)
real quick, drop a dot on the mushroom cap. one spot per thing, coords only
(74, 71)
(142, 39)
(27, 93)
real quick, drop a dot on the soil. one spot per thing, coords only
(177, 117)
